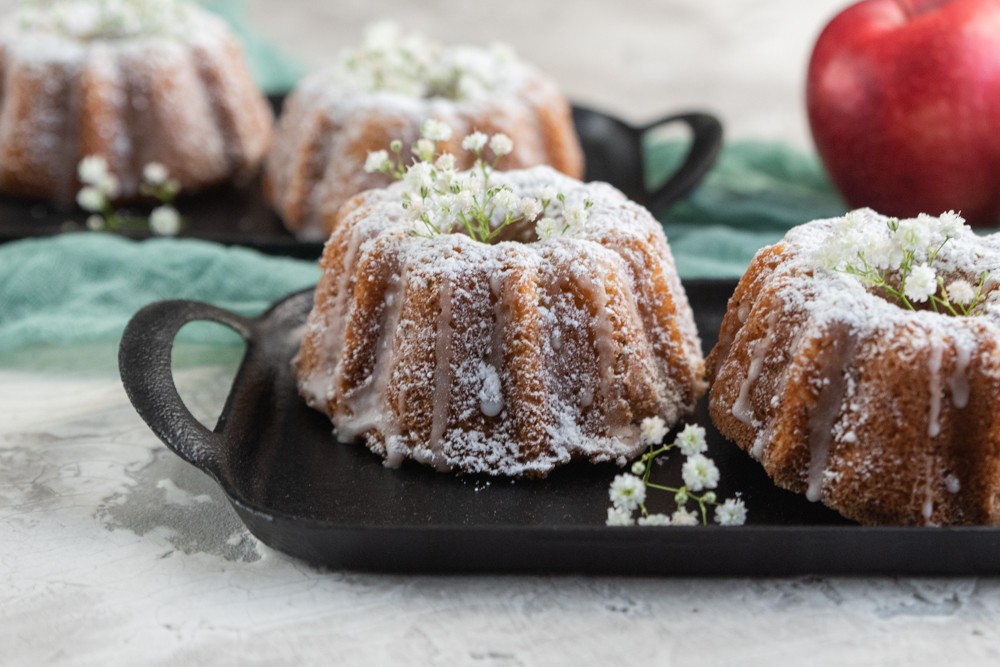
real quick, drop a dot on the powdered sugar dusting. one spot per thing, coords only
(863, 375)
(512, 351)
(332, 119)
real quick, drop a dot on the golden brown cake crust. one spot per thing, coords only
(888, 416)
(327, 128)
(505, 359)
(184, 100)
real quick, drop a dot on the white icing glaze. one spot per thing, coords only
(934, 372)
(952, 484)
(927, 508)
(490, 395)
(825, 414)
(965, 347)
(742, 408)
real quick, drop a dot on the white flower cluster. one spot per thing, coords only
(105, 19)
(100, 187)
(440, 199)
(897, 257)
(416, 66)
(700, 475)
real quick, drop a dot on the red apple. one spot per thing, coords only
(904, 105)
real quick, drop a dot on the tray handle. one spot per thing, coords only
(144, 363)
(706, 131)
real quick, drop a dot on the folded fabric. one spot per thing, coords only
(82, 288)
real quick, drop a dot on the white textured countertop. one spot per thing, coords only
(115, 552)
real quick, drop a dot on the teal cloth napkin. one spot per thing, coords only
(79, 290)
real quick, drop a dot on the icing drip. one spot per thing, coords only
(490, 396)
(959, 380)
(603, 331)
(952, 484)
(501, 322)
(927, 510)
(334, 339)
(442, 377)
(742, 409)
(365, 408)
(934, 367)
(825, 414)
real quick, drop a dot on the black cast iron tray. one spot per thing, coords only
(301, 492)
(240, 215)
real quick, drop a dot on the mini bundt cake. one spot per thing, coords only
(132, 81)
(508, 357)
(385, 91)
(823, 373)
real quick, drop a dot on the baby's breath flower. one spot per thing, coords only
(921, 283)
(424, 149)
(420, 176)
(914, 234)
(951, 224)
(165, 221)
(896, 257)
(618, 516)
(699, 472)
(155, 173)
(435, 130)
(91, 198)
(654, 520)
(652, 430)
(830, 256)
(474, 142)
(546, 194)
(507, 200)
(529, 207)
(92, 169)
(501, 144)
(682, 517)
(627, 491)
(464, 201)
(546, 229)
(101, 187)
(576, 214)
(961, 292)
(376, 161)
(445, 162)
(691, 440)
(731, 513)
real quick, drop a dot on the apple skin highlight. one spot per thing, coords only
(903, 99)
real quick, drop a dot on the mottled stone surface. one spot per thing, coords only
(115, 552)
